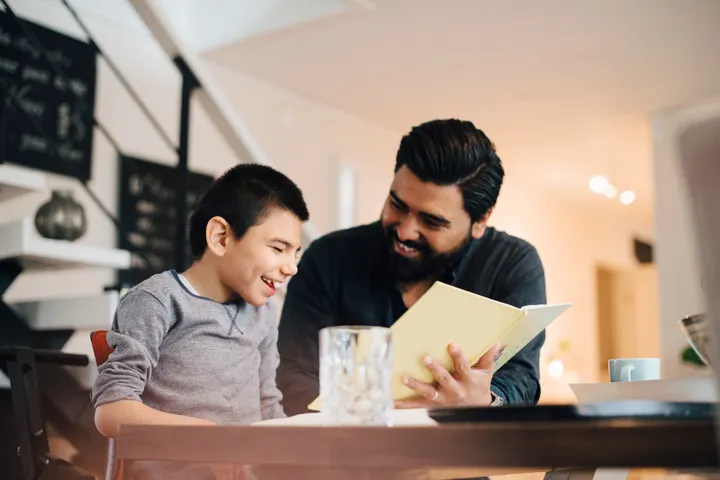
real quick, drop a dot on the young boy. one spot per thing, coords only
(199, 347)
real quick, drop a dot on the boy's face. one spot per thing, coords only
(266, 256)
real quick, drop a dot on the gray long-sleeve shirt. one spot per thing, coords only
(181, 353)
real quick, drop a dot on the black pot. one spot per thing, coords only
(61, 217)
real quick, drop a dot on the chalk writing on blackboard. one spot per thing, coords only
(148, 217)
(47, 93)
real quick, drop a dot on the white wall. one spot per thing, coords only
(680, 288)
(307, 141)
(572, 242)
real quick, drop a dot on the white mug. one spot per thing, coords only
(634, 369)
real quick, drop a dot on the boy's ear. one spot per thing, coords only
(217, 235)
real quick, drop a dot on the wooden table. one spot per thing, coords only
(448, 451)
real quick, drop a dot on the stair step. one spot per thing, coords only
(20, 240)
(90, 312)
(16, 181)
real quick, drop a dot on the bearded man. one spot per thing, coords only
(433, 227)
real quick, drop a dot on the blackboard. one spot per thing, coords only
(148, 217)
(46, 120)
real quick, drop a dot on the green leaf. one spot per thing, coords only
(689, 355)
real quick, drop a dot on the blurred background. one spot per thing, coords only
(583, 100)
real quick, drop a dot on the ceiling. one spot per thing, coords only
(564, 87)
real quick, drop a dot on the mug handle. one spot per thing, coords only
(626, 373)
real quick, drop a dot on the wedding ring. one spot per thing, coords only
(435, 396)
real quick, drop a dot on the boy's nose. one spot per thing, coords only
(289, 269)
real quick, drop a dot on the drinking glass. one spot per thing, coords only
(356, 365)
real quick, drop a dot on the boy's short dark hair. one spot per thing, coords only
(243, 196)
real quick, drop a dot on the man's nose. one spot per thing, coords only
(408, 229)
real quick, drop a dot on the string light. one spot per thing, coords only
(600, 185)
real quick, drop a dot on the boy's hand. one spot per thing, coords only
(222, 471)
(227, 471)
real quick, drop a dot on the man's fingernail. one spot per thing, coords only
(427, 361)
(454, 348)
(405, 380)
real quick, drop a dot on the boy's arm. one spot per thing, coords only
(141, 323)
(109, 417)
(270, 395)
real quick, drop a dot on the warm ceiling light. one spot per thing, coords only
(598, 184)
(627, 197)
(610, 191)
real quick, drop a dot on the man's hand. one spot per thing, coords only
(466, 386)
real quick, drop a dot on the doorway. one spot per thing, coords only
(628, 320)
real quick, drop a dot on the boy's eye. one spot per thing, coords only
(279, 250)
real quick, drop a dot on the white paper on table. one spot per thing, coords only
(687, 389)
(403, 417)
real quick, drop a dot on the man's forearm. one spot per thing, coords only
(517, 386)
(298, 387)
(109, 417)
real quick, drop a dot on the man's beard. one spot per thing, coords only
(428, 264)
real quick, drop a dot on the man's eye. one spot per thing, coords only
(279, 250)
(432, 224)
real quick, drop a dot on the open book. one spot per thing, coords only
(447, 314)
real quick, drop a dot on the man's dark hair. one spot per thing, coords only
(244, 196)
(454, 152)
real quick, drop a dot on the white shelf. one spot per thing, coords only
(20, 240)
(89, 312)
(16, 181)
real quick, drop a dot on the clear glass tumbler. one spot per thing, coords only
(356, 365)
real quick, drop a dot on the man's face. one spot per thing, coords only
(426, 225)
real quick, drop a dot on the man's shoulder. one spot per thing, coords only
(341, 241)
(353, 234)
(506, 241)
(512, 249)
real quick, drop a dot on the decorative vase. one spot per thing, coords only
(61, 217)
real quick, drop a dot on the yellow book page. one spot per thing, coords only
(535, 319)
(443, 315)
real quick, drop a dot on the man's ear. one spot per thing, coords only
(478, 227)
(217, 235)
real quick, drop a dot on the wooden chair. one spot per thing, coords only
(102, 350)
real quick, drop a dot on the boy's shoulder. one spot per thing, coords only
(160, 285)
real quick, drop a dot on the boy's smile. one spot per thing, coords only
(271, 284)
